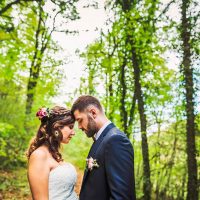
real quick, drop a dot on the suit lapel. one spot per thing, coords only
(96, 145)
(100, 139)
(86, 170)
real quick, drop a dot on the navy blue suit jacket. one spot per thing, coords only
(114, 178)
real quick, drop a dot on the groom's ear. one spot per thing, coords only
(93, 112)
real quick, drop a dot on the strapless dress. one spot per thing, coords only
(62, 180)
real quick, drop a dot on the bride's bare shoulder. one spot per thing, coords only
(41, 153)
(38, 163)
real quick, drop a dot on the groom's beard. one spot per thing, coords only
(91, 127)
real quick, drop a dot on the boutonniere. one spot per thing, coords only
(91, 163)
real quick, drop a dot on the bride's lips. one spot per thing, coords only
(71, 136)
(85, 131)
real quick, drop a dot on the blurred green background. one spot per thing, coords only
(143, 66)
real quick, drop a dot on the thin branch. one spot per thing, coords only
(131, 115)
(165, 10)
(8, 6)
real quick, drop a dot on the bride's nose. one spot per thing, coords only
(73, 132)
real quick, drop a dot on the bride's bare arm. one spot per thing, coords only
(38, 174)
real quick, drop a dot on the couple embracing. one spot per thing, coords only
(109, 173)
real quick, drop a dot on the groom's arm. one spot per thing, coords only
(120, 168)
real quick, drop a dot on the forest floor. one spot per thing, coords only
(14, 184)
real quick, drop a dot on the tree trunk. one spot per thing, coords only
(35, 69)
(192, 190)
(111, 51)
(110, 89)
(143, 124)
(126, 7)
(32, 83)
(183, 185)
(123, 111)
(42, 39)
(91, 81)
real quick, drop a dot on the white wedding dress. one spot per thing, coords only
(61, 182)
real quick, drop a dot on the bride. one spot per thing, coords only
(50, 178)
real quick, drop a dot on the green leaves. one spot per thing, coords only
(28, 52)
(11, 152)
(142, 34)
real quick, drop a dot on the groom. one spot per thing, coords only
(109, 174)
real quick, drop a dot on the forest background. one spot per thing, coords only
(154, 101)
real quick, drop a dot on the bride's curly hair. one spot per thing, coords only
(49, 134)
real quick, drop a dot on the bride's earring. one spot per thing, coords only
(56, 133)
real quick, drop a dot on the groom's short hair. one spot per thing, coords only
(84, 101)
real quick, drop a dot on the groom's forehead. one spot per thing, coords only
(79, 114)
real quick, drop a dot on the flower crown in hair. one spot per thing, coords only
(42, 112)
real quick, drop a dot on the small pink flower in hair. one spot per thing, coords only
(43, 112)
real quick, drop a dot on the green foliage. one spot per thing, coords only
(168, 162)
(140, 34)
(25, 48)
(143, 27)
(14, 184)
(106, 57)
(12, 149)
(77, 149)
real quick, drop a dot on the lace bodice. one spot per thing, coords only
(61, 183)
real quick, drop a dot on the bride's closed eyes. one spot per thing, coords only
(71, 126)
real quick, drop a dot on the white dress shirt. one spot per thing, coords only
(97, 135)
